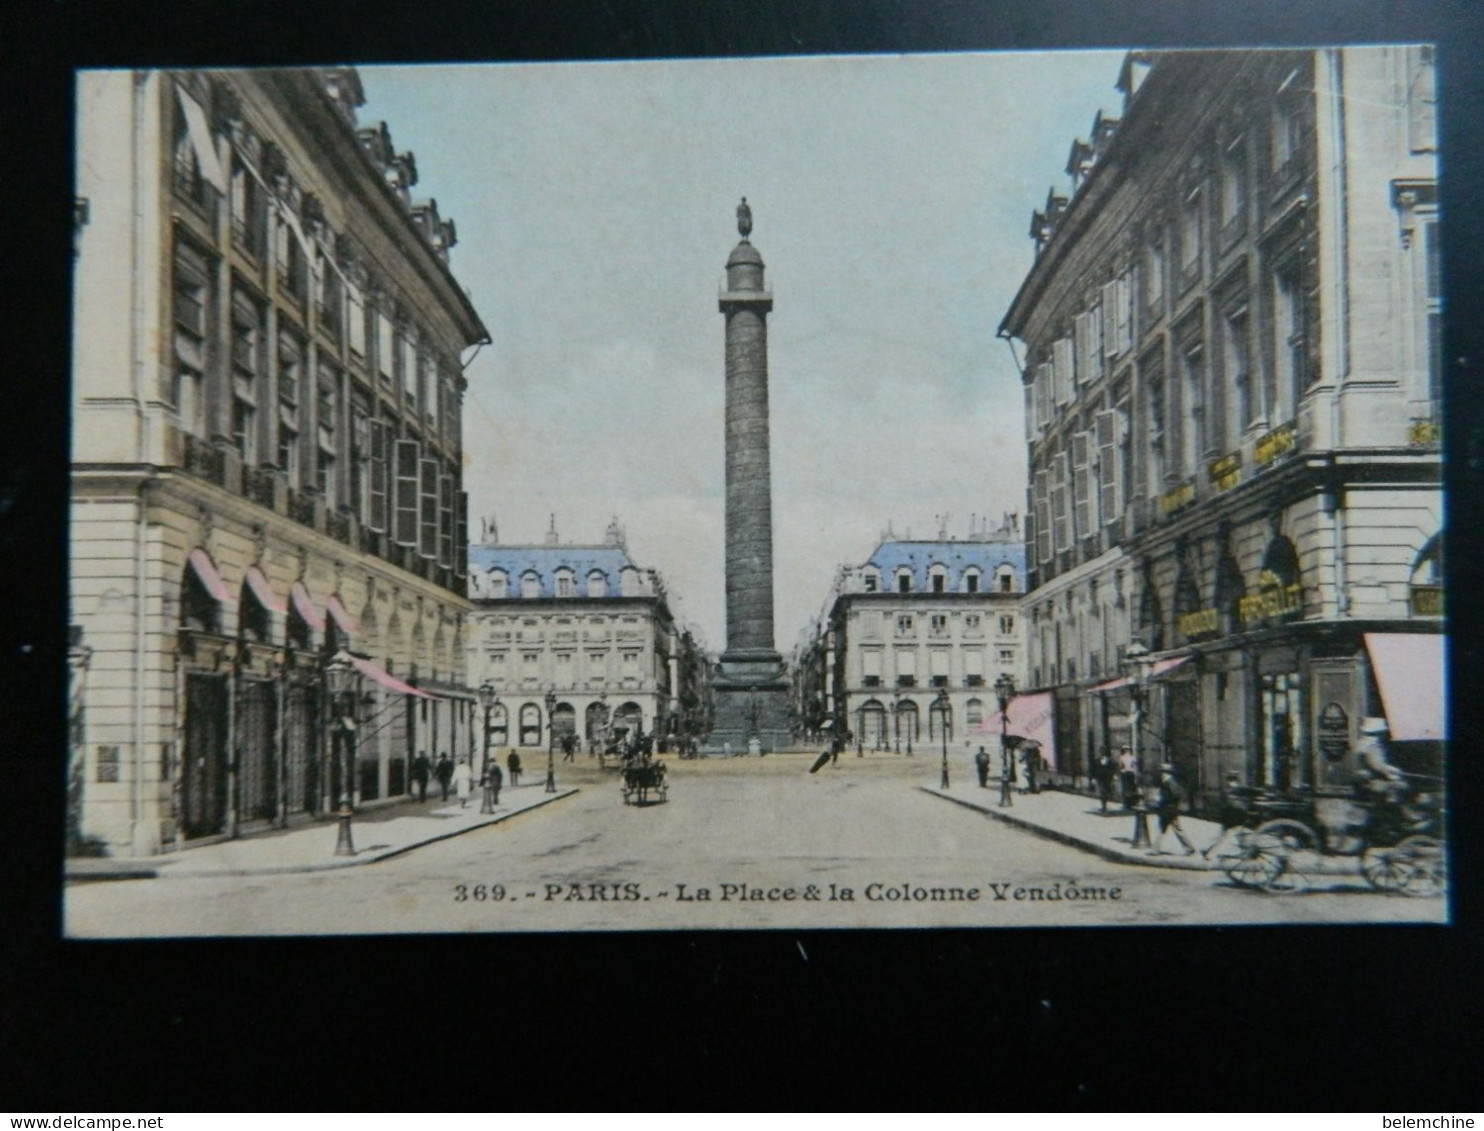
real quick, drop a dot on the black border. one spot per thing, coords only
(1338, 1017)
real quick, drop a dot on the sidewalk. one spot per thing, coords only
(1074, 819)
(377, 834)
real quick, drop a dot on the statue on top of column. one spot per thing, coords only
(744, 219)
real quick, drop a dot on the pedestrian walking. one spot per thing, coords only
(1104, 771)
(1007, 795)
(1128, 776)
(512, 764)
(1171, 799)
(1236, 811)
(443, 771)
(981, 767)
(495, 779)
(421, 768)
(1030, 757)
(463, 782)
(569, 747)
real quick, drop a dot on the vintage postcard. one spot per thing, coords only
(974, 490)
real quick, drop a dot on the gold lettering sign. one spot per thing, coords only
(1279, 442)
(1424, 432)
(1226, 472)
(1427, 600)
(1272, 601)
(1177, 498)
(1202, 622)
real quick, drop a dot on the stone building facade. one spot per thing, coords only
(1232, 380)
(917, 618)
(266, 456)
(586, 625)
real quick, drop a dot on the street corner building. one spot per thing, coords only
(577, 640)
(267, 459)
(924, 628)
(1233, 355)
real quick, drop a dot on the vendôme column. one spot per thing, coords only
(750, 693)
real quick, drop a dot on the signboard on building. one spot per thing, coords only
(1273, 601)
(1334, 732)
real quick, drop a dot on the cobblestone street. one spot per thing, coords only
(740, 843)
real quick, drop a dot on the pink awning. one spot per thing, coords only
(343, 620)
(305, 607)
(387, 680)
(1161, 667)
(263, 591)
(1410, 670)
(204, 568)
(1033, 716)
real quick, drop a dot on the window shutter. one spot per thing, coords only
(1096, 329)
(1043, 396)
(461, 536)
(445, 521)
(1061, 535)
(1030, 410)
(405, 533)
(1064, 366)
(1108, 470)
(376, 489)
(1110, 317)
(1082, 500)
(1043, 515)
(1125, 314)
(427, 510)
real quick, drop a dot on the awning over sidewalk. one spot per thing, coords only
(1410, 670)
(343, 620)
(305, 606)
(1033, 717)
(387, 680)
(205, 569)
(263, 591)
(1161, 667)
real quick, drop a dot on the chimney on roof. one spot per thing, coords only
(551, 532)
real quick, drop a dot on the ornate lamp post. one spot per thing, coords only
(341, 679)
(551, 702)
(1004, 691)
(488, 697)
(1136, 666)
(942, 706)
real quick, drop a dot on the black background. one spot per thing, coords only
(1379, 1018)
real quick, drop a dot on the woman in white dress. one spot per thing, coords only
(463, 781)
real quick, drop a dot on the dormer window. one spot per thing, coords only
(904, 580)
(597, 584)
(499, 583)
(530, 584)
(564, 584)
(938, 578)
(871, 580)
(971, 580)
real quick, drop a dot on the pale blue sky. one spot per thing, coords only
(891, 197)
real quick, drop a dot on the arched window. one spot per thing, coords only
(202, 595)
(630, 717)
(940, 721)
(530, 725)
(597, 584)
(628, 582)
(872, 726)
(971, 579)
(499, 725)
(530, 584)
(597, 719)
(938, 577)
(254, 618)
(499, 583)
(907, 721)
(1004, 579)
(563, 722)
(564, 583)
(974, 713)
(904, 580)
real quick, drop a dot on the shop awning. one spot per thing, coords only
(263, 591)
(1033, 716)
(205, 569)
(1161, 667)
(387, 680)
(305, 607)
(343, 620)
(1410, 670)
(201, 142)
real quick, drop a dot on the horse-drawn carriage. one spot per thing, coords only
(643, 775)
(1395, 830)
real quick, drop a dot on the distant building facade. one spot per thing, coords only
(586, 625)
(267, 457)
(1233, 367)
(916, 619)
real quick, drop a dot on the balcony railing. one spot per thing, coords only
(205, 460)
(906, 681)
(939, 681)
(973, 681)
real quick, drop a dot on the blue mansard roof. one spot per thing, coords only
(547, 560)
(954, 556)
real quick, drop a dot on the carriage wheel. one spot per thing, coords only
(1256, 869)
(1427, 865)
(1387, 869)
(1285, 837)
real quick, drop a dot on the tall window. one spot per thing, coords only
(247, 350)
(1190, 233)
(360, 457)
(530, 584)
(327, 293)
(1243, 408)
(327, 428)
(192, 290)
(1422, 100)
(1153, 277)
(1287, 130)
(1084, 503)
(1154, 396)
(355, 317)
(1288, 340)
(385, 342)
(1233, 183)
(290, 379)
(289, 256)
(248, 210)
(1193, 388)
(904, 581)
(1061, 535)
(1433, 292)
(597, 584)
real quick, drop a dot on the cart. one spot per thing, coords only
(1396, 831)
(642, 776)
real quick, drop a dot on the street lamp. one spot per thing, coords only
(1004, 691)
(1136, 666)
(551, 702)
(341, 678)
(488, 697)
(942, 706)
(896, 719)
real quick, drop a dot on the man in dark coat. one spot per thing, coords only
(496, 779)
(1104, 770)
(981, 767)
(512, 764)
(420, 769)
(1171, 800)
(443, 771)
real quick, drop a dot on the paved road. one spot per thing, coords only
(770, 845)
